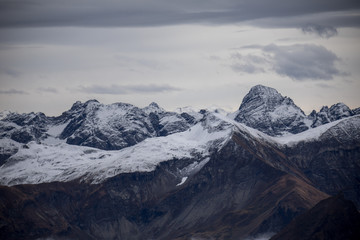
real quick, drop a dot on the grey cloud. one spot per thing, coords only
(214, 58)
(248, 63)
(96, 89)
(47, 90)
(12, 91)
(322, 31)
(115, 89)
(150, 64)
(336, 19)
(324, 85)
(247, 68)
(304, 61)
(10, 72)
(299, 62)
(111, 13)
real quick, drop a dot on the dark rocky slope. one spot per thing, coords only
(331, 219)
(332, 162)
(248, 187)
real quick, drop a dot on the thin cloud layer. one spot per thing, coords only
(47, 90)
(115, 89)
(111, 13)
(298, 62)
(12, 92)
(10, 72)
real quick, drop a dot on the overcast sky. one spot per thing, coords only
(199, 53)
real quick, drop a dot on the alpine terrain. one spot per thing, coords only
(122, 172)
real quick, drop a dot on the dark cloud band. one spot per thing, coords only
(110, 13)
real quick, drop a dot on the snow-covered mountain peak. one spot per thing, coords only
(80, 105)
(265, 109)
(4, 114)
(340, 110)
(262, 97)
(154, 105)
(186, 109)
(327, 115)
(153, 108)
(356, 111)
(264, 92)
(24, 118)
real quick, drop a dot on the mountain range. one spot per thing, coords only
(122, 172)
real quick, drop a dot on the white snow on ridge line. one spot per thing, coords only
(4, 114)
(62, 162)
(50, 162)
(311, 134)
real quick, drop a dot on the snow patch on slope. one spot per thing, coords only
(183, 180)
(54, 132)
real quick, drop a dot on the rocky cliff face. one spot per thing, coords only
(23, 128)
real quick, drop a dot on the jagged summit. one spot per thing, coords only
(154, 105)
(356, 111)
(327, 115)
(154, 108)
(79, 104)
(261, 97)
(265, 109)
(260, 94)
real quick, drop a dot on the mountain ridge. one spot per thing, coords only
(119, 125)
(121, 172)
